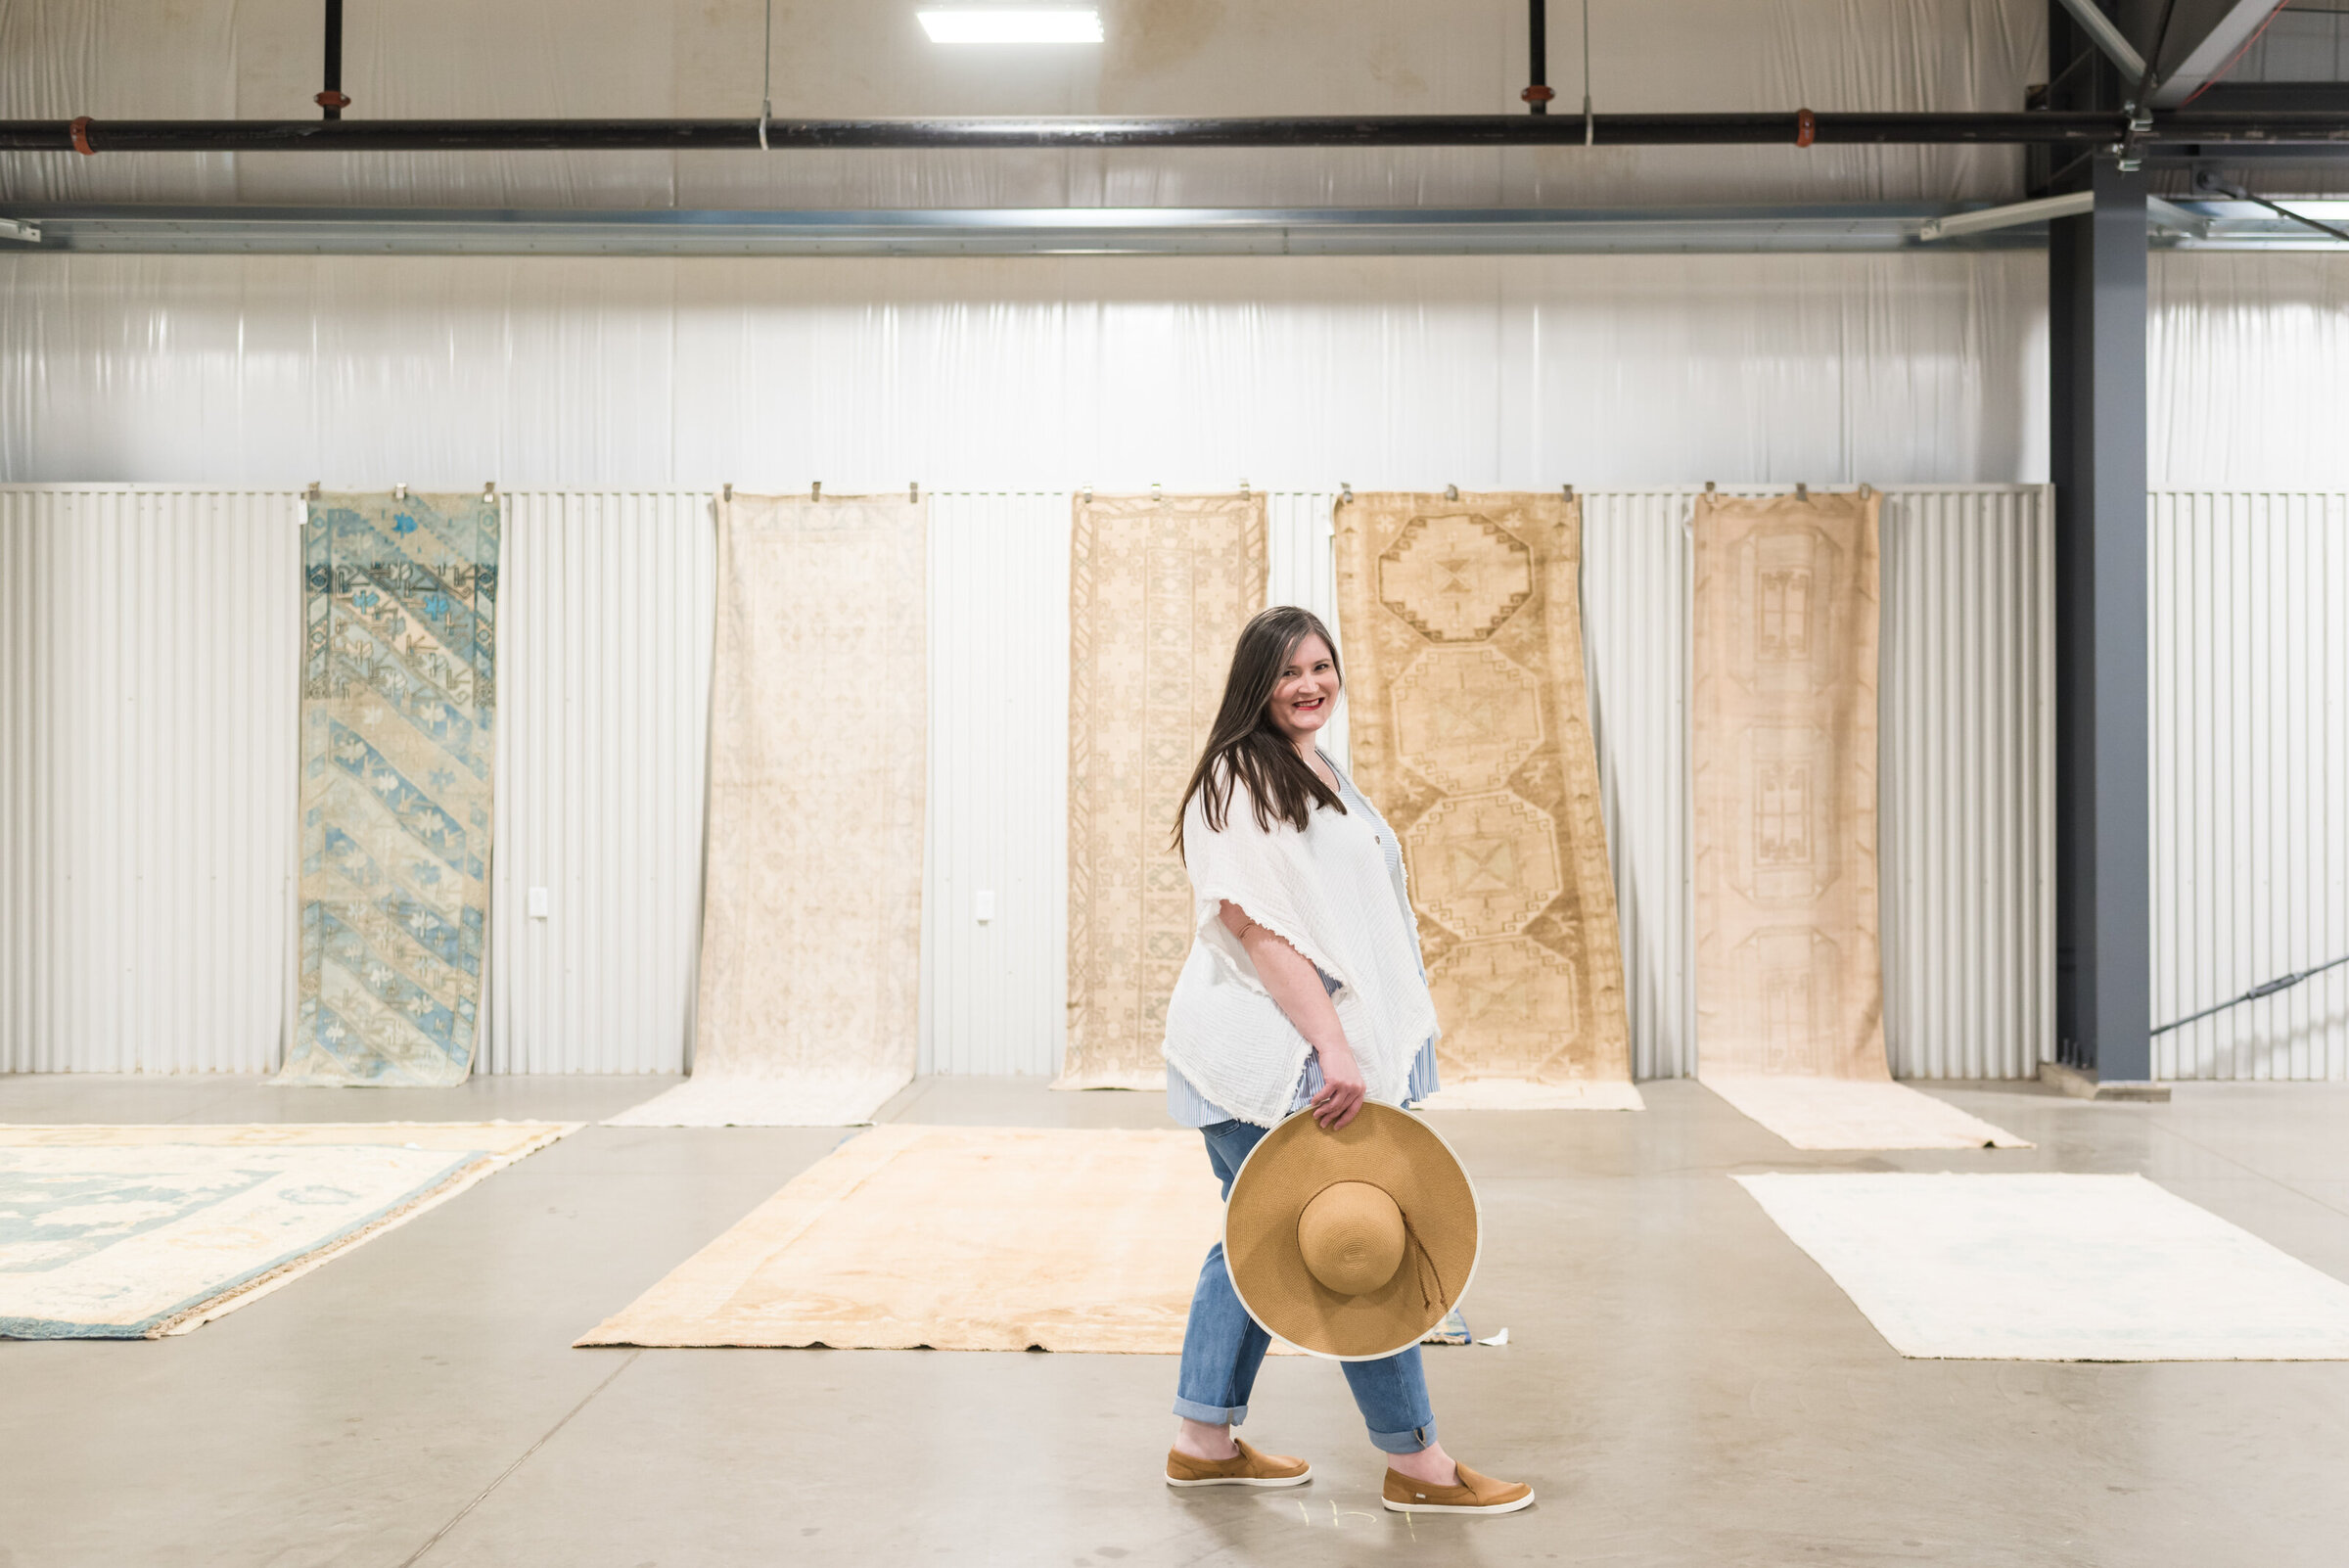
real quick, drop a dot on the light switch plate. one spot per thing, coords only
(538, 904)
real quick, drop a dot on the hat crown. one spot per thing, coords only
(1351, 1236)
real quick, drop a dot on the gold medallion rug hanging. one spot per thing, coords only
(811, 921)
(1159, 588)
(1789, 974)
(1470, 729)
(956, 1239)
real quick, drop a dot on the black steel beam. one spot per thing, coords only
(2103, 887)
(2079, 130)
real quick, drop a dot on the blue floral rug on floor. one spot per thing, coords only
(135, 1233)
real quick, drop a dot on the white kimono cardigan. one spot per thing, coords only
(1327, 891)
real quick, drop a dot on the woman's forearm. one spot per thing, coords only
(1291, 978)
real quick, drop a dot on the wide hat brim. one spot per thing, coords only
(1391, 1150)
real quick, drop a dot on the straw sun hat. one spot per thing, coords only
(1351, 1244)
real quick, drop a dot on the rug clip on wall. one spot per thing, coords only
(913, 491)
(815, 489)
(490, 493)
(1451, 492)
(1802, 491)
(1088, 496)
(400, 493)
(1345, 492)
(1243, 489)
(725, 491)
(1155, 495)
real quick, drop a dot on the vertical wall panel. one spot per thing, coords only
(1304, 571)
(1635, 638)
(1965, 836)
(994, 992)
(150, 649)
(2250, 743)
(606, 610)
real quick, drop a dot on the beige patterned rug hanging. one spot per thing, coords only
(1789, 979)
(1470, 730)
(1159, 588)
(811, 921)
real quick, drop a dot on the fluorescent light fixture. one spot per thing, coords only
(1003, 25)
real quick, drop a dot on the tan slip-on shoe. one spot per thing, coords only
(1476, 1493)
(1247, 1468)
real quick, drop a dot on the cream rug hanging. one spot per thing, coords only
(1159, 588)
(811, 938)
(1469, 729)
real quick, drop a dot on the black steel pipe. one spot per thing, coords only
(331, 101)
(1537, 24)
(2085, 129)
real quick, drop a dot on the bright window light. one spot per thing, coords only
(1002, 24)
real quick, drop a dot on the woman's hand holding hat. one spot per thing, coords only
(1341, 1087)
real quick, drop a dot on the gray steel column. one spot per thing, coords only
(2097, 349)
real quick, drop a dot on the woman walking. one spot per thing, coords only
(1304, 992)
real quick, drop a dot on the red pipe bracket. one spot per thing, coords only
(82, 137)
(1806, 127)
(1539, 94)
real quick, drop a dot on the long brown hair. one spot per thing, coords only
(1246, 744)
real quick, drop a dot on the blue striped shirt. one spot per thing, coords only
(1190, 1108)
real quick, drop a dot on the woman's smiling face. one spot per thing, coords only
(1307, 691)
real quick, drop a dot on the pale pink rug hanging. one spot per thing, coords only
(811, 923)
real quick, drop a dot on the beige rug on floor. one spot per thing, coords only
(1470, 731)
(139, 1232)
(1159, 587)
(1843, 1113)
(955, 1238)
(2055, 1267)
(809, 1009)
(1789, 978)
(1521, 1094)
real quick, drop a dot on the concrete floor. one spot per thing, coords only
(1682, 1385)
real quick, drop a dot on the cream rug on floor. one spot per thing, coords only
(136, 1232)
(1844, 1112)
(956, 1239)
(1521, 1094)
(810, 1007)
(2052, 1268)
(1470, 731)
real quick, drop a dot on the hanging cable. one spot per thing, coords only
(1589, 125)
(767, 79)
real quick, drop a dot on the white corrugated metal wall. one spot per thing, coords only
(149, 646)
(606, 610)
(1965, 786)
(994, 992)
(2250, 742)
(148, 660)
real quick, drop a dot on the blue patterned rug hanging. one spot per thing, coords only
(398, 702)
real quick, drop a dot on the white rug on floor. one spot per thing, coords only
(1844, 1112)
(136, 1232)
(1521, 1094)
(724, 1101)
(2055, 1267)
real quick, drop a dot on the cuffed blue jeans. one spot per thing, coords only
(1222, 1347)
